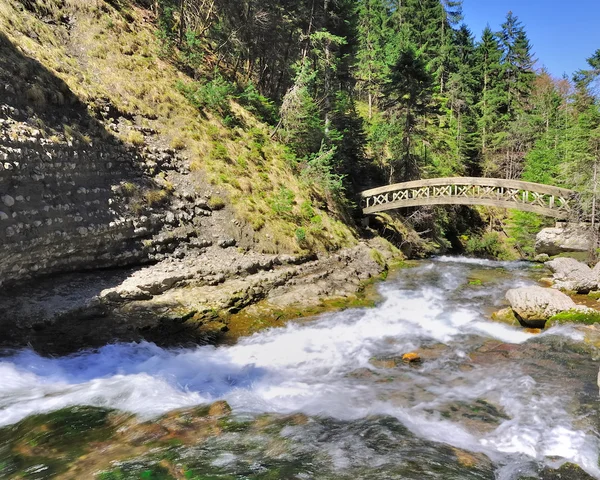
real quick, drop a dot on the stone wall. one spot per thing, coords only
(61, 207)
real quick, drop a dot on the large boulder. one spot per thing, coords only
(534, 305)
(570, 237)
(596, 272)
(570, 274)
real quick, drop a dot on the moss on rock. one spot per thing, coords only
(574, 316)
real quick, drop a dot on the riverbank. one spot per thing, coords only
(214, 295)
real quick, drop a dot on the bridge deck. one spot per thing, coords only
(527, 196)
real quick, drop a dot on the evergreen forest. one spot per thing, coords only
(369, 92)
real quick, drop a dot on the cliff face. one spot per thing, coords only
(61, 208)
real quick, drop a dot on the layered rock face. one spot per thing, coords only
(61, 208)
(62, 205)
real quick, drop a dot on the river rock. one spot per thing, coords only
(569, 274)
(563, 238)
(534, 305)
(506, 315)
(411, 357)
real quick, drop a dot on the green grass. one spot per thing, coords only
(575, 316)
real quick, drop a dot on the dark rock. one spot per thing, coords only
(227, 242)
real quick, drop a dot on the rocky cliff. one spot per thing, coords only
(62, 206)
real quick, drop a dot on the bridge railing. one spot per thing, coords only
(543, 199)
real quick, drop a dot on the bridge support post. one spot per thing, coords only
(365, 222)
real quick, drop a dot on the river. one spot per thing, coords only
(327, 398)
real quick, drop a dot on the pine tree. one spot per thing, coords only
(409, 94)
(489, 120)
(517, 64)
(451, 17)
(371, 55)
(461, 96)
(583, 138)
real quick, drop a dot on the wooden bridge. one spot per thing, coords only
(495, 192)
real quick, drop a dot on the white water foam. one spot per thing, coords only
(306, 367)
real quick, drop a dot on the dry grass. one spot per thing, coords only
(135, 138)
(156, 198)
(216, 203)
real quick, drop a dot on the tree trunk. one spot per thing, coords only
(594, 239)
(181, 21)
(327, 81)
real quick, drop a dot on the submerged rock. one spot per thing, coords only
(219, 408)
(567, 471)
(534, 305)
(569, 274)
(533, 331)
(387, 362)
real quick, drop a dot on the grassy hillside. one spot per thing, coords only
(108, 56)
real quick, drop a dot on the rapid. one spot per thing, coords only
(519, 401)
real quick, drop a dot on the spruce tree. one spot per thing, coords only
(371, 59)
(489, 119)
(409, 95)
(517, 64)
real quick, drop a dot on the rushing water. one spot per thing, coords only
(516, 401)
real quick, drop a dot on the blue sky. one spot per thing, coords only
(563, 34)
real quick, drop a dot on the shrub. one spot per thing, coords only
(258, 104)
(128, 189)
(213, 95)
(257, 223)
(319, 169)
(73, 135)
(37, 96)
(219, 152)
(178, 143)
(191, 51)
(300, 235)
(283, 201)
(488, 245)
(306, 210)
(155, 198)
